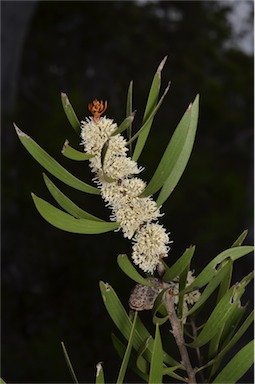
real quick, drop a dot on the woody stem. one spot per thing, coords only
(178, 335)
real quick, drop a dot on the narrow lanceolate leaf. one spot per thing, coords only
(150, 106)
(70, 113)
(180, 265)
(176, 156)
(52, 166)
(224, 336)
(99, 374)
(127, 354)
(66, 203)
(150, 118)
(156, 368)
(210, 270)
(69, 364)
(210, 288)
(66, 222)
(178, 163)
(236, 337)
(238, 366)
(125, 124)
(128, 268)
(73, 154)
(221, 313)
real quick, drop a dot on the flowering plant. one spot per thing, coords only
(172, 292)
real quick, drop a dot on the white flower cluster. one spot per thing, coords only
(121, 190)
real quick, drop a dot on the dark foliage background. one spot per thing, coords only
(93, 49)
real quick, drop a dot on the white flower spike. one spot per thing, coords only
(121, 190)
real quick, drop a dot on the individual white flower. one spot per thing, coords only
(132, 213)
(150, 244)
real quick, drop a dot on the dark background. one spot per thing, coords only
(90, 49)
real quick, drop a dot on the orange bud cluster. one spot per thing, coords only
(97, 108)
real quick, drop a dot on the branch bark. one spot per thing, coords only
(168, 300)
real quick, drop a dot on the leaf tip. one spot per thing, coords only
(66, 143)
(161, 65)
(19, 132)
(99, 367)
(65, 99)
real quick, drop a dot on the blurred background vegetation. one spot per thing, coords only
(92, 50)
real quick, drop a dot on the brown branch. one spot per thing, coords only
(168, 300)
(194, 331)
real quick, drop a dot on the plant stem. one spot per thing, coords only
(177, 332)
(194, 331)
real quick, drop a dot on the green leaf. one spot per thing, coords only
(210, 270)
(177, 154)
(221, 313)
(1, 381)
(226, 282)
(180, 265)
(128, 268)
(238, 366)
(119, 315)
(239, 241)
(148, 114)
(126, 357)
(125, 124)
(156, 368)
(99, 374)
(73, 154)
(224, 335)
(210, 288)
(236, 337)
(66, 203)
(148, 122)
(68, 223)
(52, 166)
(69, 364)
(175, 157)
(232, 324)
(73, 120)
